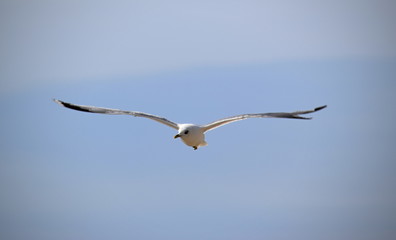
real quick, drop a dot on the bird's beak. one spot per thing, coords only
(176, 136)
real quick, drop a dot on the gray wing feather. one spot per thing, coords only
(295, 115)
(93, 109)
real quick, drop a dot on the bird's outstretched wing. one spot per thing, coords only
(92, 109)
(227, 120)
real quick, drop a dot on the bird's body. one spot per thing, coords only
(191, 134)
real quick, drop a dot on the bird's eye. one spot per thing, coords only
(186, 132)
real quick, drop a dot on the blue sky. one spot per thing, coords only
(72, 175)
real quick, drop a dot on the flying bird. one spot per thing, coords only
(191, 134)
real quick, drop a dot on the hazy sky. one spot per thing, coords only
(53, 41)
(71, 175)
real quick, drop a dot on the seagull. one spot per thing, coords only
(191, 134)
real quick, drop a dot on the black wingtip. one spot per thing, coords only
(320, 108)
(71, 106)
(59, 102)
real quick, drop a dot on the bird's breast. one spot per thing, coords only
(193, 139)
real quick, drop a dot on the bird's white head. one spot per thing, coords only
(192, 135)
